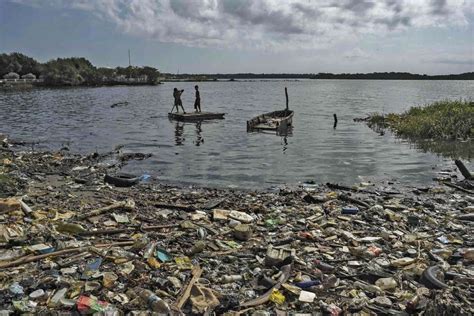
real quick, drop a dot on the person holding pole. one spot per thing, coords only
(177, 100)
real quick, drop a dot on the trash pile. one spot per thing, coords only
(70, 242)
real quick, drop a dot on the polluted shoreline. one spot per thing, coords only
(75, 241)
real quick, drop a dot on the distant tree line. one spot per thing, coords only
(74, 71)
(394, 76)
(373, 76)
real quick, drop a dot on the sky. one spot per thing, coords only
(259, 36)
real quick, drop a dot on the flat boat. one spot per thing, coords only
(195, 116)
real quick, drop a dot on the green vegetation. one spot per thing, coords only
(443, 120)
(75, 71)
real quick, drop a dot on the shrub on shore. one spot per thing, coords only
(440, 120)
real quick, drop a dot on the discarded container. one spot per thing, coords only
(90, 305)
(243, 232)
(277, 297)
(184, 263)
(231, 278)
(307, 297)
(241, 217)
(307, 284)
(350, 210)
(275, 256)
(386, 283)
(154, 303)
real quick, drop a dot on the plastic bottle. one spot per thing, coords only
(231, 278)
(386, 283)
(149, 250)
(350, 210)
(307, 284)
(155, 303)
(324, 266)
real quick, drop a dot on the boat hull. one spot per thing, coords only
(273, 121)
(194, 117)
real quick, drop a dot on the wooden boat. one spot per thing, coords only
(278, 121)
(273, 121)
(196, 116)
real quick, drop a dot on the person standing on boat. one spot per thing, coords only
(177, 100)
(197, 102)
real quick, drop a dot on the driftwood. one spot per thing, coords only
(353, 200)
(184, 295)
(127, 205)
(125, 230)
(336, 186)
(59, 253)
(457, 187)
(286, 270)
(176, 207)
(462, 168)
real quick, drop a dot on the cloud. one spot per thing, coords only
(356, 53)
(267, 24)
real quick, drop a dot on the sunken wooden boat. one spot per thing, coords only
(195, 116)
(274, 121)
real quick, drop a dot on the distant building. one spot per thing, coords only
(11, 75)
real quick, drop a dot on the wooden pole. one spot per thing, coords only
(335, 121)
(466, 174)
(286, 95)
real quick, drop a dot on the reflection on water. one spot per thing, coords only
(199, 139)
(449, 149)
(284, 141)
(444, 148)
(179, 133)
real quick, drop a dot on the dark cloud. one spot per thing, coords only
(268, 23)
(395, 21)
(358, 6)
(260, 13)
(440, 7)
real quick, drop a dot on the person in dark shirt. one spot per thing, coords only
(197, 102)
(177, 100)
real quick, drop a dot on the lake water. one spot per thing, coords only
(222, 153)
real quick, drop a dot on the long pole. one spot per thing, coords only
(286, 95)
(129, 65)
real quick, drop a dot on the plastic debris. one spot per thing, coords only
(84, 247)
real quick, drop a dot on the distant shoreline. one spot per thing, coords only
(345, 76)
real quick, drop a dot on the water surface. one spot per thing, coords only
(222, 153)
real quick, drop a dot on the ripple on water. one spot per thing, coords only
(222, 153)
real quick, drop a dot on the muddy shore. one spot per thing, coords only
(72, 243)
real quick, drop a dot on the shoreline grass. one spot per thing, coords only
(441, 120)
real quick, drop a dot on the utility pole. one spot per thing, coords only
(129, 65)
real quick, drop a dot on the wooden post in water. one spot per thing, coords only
(286, 95)
(335, 120)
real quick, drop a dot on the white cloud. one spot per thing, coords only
(269, 24)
